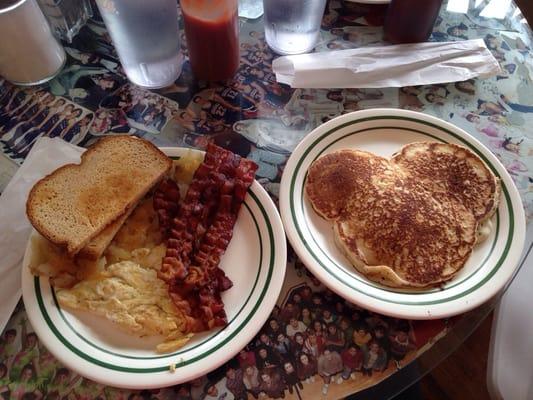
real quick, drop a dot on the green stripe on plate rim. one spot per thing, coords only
(181, 363)
(453, 134)
(369, 283)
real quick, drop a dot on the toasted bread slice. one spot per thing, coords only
(76, 202)
(96, 247)
(408, 222)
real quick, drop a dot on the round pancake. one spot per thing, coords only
(451, 170)
(333, 178)
(401, 236)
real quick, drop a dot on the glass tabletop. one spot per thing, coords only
(256, 117)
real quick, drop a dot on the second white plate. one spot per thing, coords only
(383, 132)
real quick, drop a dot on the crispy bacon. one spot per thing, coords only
(199, 235)
(166, 203)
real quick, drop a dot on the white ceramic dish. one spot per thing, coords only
(255, 261)
(384, 131)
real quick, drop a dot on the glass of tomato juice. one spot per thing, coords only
(212, 32)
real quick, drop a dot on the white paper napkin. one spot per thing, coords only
(388, 66)
(46, 155)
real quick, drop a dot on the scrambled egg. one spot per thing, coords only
(125, 288)
(129, 295)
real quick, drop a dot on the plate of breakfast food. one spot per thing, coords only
(402, 213)
(150, 267)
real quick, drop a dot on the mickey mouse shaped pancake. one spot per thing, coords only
(411, 221)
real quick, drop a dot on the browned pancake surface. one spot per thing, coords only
(452, 170)
(333, 178)
(408, 222)
(400, 225)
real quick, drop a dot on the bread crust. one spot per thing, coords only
(76, 202)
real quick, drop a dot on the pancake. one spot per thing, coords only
(401, 236)
(408, 222)
(333, 178)
(452, 170)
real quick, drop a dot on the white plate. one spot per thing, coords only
(384, 131)
(255, 261)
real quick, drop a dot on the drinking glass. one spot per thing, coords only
(292, 27)
(146, 36)
(212, 31)
(66, 17)
(410, 21)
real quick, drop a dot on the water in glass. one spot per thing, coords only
(146, 36)
(292, 27)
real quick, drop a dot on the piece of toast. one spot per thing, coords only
(76, 202)
(96, 247)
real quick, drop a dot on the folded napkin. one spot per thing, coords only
(46, 155)
(388, 66)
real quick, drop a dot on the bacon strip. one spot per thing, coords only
(200, 234)
(194, 212)
(166, 203)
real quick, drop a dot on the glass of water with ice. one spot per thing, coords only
(292, 27)
(146, 36)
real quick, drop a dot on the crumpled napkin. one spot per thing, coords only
(388, 66)
(46, 155)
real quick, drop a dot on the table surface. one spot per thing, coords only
(262, 120)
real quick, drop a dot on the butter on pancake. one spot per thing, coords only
(411, 221)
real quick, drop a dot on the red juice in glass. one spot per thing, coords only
(212, 32)
(410, 21)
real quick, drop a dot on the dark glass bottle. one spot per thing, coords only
(410, 21)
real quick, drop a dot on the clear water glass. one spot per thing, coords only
(146, 36)
(66, 17)
(292, 27)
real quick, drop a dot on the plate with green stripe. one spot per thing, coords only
(95, 348)
(383, 132)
